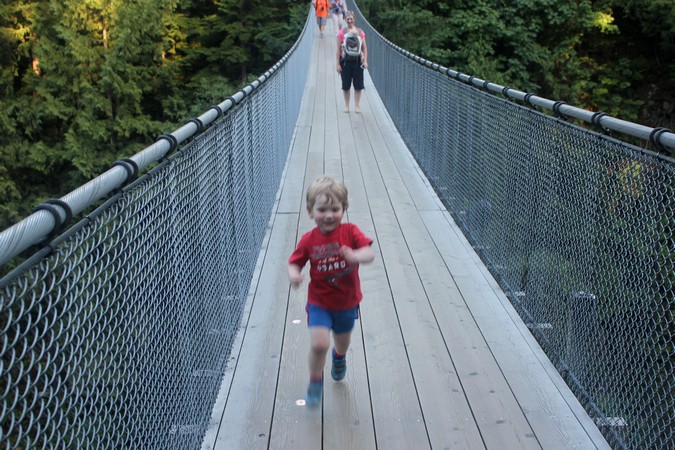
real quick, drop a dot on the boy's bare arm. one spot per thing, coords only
(295, 275)
(361, 255)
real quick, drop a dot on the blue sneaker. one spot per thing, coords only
(314, 393)
(339, 369)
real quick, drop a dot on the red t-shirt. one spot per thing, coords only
(334, 283)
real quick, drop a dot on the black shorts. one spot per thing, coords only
(352, 72)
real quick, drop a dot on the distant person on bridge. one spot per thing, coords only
(321, 8)
(352, 59)
(338, 8)
(334, 251)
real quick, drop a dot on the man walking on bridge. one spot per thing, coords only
(321, 8)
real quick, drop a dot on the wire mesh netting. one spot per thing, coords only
(576, 226)
(118, 337)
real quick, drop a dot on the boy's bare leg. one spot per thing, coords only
(319, 345)
(346, 95)
(357, 101)
(338, 368)
(342, 342)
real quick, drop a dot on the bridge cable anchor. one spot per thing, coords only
(59, 224)
(528, 102)
(655, 140)
(173, 142)
(556, 109)
(130, 166)
(595, 120)
(219, 110)
(197, 121)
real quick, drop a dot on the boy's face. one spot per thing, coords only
(327, 214)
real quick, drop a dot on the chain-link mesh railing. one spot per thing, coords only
(118, 334)
(577, 227)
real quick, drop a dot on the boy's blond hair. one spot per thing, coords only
(333, 190)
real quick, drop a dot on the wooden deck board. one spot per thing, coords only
(439, 358)
(245, 422)
(553, 412)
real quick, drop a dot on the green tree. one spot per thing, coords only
(117, 74)
(249, 36)
(85, 82)
(90, 83)
(18, 165)
(617, 56)
(636, 73)
(231, 42)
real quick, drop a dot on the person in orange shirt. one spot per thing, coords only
(321, 8)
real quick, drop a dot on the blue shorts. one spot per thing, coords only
(338, 321)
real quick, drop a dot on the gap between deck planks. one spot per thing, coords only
(438, 359)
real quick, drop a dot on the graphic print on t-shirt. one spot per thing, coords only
(329, 261)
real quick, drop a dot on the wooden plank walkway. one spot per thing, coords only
(439, 358)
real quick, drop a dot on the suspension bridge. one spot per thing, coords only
(440, 359)
(518, 298)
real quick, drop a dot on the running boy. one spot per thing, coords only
(334, 251)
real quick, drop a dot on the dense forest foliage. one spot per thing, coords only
(86, 82)
(616, 56)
